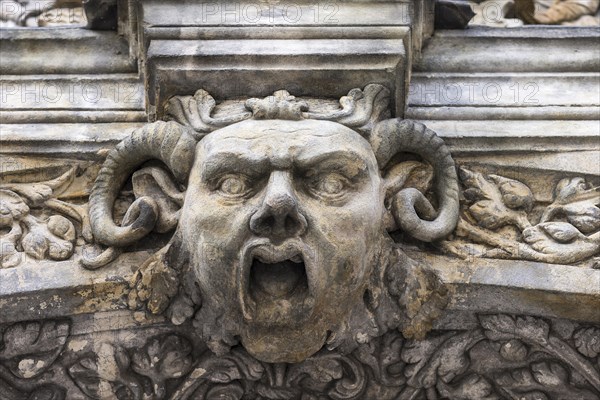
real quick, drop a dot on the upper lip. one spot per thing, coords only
(274, 254)
(267, 252)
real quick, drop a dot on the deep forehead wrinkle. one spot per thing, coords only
(306, 157)
(309, 131)
(274, 131)
(235, 162)
(250, 162)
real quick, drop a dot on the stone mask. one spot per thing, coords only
(281, 218)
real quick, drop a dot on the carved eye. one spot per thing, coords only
(330, 185)
(232, 185)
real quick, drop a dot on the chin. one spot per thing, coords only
(284, 344)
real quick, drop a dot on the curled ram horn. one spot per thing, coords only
(168, 142)
(394, 136)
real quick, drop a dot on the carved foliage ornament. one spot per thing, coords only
(281, 208)
(35, 223)
(500, 218)
(500, 357)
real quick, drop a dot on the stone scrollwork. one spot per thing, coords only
(565, 231)
(502, 357)
(281, 209)
(35, 223)
(27, 351)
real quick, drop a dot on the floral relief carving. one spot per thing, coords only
(37, 224)
(27, 351)
(566, 231)
(501, 357)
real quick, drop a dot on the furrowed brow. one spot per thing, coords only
(349, 162)
(233, 163)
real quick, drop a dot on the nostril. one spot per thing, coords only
(296, 223)
(279, 217)
(290, 223)
(268, 222)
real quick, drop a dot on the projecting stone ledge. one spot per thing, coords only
(72, 325)
(49, 289)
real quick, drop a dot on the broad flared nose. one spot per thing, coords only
(278, 217)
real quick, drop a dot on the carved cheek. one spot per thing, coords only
(346, 239)
(210, 218)
(361, 214)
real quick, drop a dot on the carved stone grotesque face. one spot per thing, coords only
(282, 222)
(281, 212)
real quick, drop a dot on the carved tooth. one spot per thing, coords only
(296, 259)
(248, 308)
(331, 338)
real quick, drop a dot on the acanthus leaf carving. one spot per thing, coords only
(471, 387)
(39, 237)
(537, 332)
(39, 192)
(543, 380)
(47, 392)
(587, 341)
(504, 327)
(506, 357)
(503, 358)
(106, 374)
(28, 352)
(388, 369)
(490, 208)
(162, 359)
(30, 348)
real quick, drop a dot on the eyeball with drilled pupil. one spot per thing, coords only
(331, 184)
(233, 186)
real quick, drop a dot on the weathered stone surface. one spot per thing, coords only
(291, 205)
(518, 50)
(351, 289)
(47, 51)
(501, 357)
(317, 50)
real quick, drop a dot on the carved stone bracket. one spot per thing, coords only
(309, 49)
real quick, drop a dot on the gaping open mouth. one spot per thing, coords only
(277, 280)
